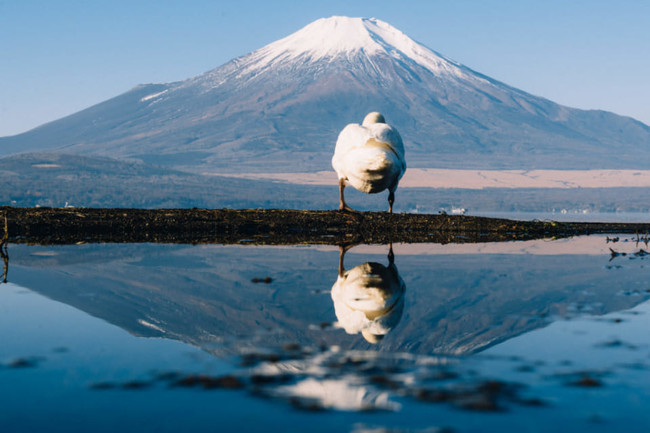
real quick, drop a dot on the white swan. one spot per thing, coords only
(371, 157)
(369, 298)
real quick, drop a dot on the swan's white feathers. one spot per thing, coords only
(370, 156)
(368, 299)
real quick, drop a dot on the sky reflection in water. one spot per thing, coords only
(538, 336)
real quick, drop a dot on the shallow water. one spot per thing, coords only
(569, 216)
(546, 335)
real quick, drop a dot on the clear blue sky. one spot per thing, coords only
(60, 56)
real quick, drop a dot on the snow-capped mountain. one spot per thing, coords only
(281, 107)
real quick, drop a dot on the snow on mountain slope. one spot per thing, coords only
(328, 38)
(280, 108)
(357, 43)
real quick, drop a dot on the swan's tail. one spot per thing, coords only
(372, 169)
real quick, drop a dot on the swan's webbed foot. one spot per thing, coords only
(346, 208)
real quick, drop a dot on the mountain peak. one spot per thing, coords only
(336, 36)
(327, 37)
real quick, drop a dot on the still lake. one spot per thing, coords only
(542, 335)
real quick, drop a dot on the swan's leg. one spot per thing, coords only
(342, 251)
(342, 204)
(343, 248)
(391, 200)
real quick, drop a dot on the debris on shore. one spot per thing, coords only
(44, 225)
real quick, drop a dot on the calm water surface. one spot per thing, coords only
(569, 216)
(547, 335)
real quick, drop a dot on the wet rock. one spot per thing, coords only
(252, 359)
(433, 395)
(385, 382)
(534, 402)
(587, 381)
(209, 382)
(291, 347)
(25, 362)
(308, 404)
(479, 402)
(615, 344)
(485, 396)
(102, 386)
(525, 369)
(136, 385)
(440, 375)
(265, 280)
(267, 379)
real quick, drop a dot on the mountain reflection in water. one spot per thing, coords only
(480, 328)
(461, 298)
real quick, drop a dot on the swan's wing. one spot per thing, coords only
(352, 137)
(389, 135)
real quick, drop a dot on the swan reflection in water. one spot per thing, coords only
(369, 298)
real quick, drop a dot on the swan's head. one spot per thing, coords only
(374, 117)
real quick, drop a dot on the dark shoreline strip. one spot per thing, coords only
(47, 226)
